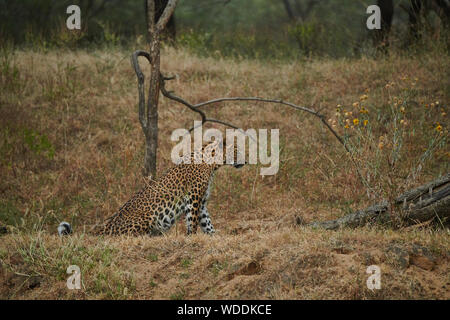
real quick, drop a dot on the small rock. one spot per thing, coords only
(398, 256)
(417, 249)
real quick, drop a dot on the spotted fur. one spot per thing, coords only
(184, 189)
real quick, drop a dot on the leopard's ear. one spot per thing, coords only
(205, 144)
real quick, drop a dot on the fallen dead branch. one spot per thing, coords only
(424, 203)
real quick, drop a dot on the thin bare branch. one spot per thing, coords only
(196, 108)
(222, 123)
(216, 121)
(167, 13)
(204, 118)
(292, 105)
(171, 96)
(198, 105)
(141, 80)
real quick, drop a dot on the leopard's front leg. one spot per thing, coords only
(196, 200)
(191, 211)
(205, 220)
(196, 212)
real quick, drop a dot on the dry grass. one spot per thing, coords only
(72, 147)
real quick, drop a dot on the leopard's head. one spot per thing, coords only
(222, 154)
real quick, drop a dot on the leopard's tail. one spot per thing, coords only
(64, 229)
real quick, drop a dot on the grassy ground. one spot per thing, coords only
(71, 149)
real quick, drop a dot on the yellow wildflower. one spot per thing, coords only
(365, 122)
(438, 128)
(356, 121)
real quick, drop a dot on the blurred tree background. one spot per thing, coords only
(230, 28)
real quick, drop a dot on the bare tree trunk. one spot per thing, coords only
(170, 29)
(414, 14)
(381, 37)
(151, 133)
(149, 117)
(289, 10)
(442, 10)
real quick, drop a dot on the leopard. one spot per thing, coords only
(183, 189)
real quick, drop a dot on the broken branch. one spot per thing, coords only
(416, 208)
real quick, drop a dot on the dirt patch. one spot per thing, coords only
(250, 269)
